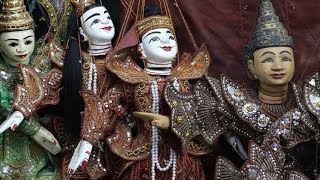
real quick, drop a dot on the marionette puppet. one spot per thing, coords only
(91, 31)
(133, 117)
(271, 116)
(24, 148)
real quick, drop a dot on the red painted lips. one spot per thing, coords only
(22, 56)
(107, 28)
(166, 48)
(278, 75)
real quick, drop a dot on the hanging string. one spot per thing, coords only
(126, 19)
(195, 46)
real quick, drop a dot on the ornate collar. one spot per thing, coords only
(256, 115)
(191, 67)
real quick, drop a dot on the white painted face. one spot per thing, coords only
(97, 24)
(17, 46)
(159, 45)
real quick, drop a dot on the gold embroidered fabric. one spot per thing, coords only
(37, 92)
(96, 118)
(192, 67)
(52, 84)
(153, 22)
(30, 94)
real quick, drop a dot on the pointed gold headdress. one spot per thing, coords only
(270, 32)
(80, 5)
(14, 16)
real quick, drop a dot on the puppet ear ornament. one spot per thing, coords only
(83, 35)
(142, 54)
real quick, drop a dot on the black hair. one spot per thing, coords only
(152, 10)
(72, 83)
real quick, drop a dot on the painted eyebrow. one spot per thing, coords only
(95, 14)
(155, 32)
(27, 37)
(11, 40)
(169, 32)
(285, 52)
(268, 52)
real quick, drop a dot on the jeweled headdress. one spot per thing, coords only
(14, 16)
(269, 32)
(153, 22)
(80, 5)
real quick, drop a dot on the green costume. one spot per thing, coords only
(20, 156)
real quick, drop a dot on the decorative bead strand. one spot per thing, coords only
(89, 87)
(154, 148)
(93, 75)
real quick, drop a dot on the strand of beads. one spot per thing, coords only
(154, 149)
(92, 82)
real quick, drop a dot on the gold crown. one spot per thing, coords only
(153, 22)
(14, 16)
(80, 5)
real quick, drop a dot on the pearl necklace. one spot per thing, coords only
(92, 83)
(154, 149)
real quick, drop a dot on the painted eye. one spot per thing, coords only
(13, 44)
(267, 60)
(285, 59)
(171, 38)
(28, 42)
(154, 39)
(96, 21)
(109, 17)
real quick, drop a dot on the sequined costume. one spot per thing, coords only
(241, 111)
(94, 167)
(131, 138)
(21, 157)
(311, 90)
(276, 131)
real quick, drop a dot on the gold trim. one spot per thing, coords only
(153, 22)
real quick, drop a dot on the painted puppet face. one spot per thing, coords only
(159, 46)
(273, 66)
(97, 24)
(17, 46)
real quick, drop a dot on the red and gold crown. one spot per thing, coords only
(14, 16)
(153, 22)
(80, 5)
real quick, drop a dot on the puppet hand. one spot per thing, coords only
(235, 142)
(12, 122)
(46, 139)
(80, 156)
(158, 120)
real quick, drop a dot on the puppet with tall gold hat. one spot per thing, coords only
(24, 151)
(271, 114)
